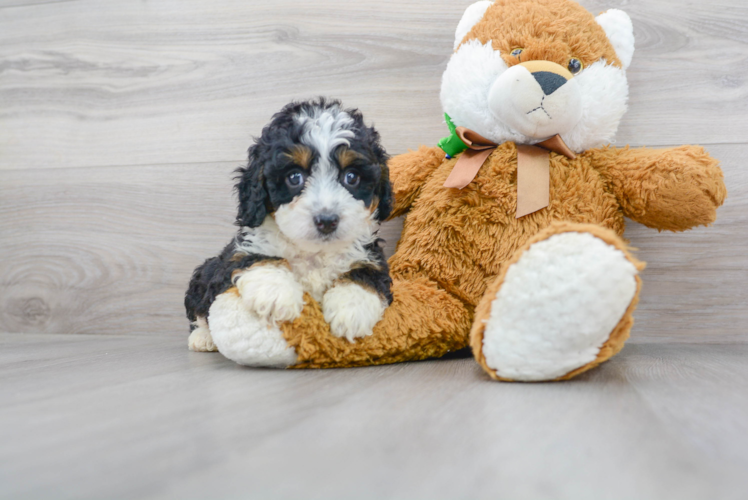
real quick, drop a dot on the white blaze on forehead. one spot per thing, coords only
(326, 129)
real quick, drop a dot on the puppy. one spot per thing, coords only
(310, 202)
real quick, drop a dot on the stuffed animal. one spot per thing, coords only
(512, 235)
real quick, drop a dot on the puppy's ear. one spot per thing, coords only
(253, 196)
(384, 193)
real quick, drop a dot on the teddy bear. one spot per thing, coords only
(512, 238)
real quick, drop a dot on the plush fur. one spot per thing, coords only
(536, 353)
(482, 76)
(464, 259)
(310, 201)
(557, 306)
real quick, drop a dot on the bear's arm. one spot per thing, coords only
(673, 189)
(408, 172)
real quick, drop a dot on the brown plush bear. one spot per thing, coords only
(512, 238)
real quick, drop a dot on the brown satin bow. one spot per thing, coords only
(533, 168)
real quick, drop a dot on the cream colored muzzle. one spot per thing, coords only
(538, 99)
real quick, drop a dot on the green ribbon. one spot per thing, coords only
(452, 145)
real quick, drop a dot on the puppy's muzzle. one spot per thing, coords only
(326, 223)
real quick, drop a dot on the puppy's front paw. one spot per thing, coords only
(200, 339)
(351, 310)
(271, 292)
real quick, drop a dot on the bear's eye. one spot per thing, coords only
(516, 52)
(575, 66)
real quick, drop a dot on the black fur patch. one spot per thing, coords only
(375, 277)
(213, 277)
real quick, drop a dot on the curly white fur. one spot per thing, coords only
(351, 310)
(315, 268)
(246, 339)
(271, 293)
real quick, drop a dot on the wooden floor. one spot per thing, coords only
(120, 125)
(138, 417)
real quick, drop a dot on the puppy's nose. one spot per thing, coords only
(549, 82)
(326, 223)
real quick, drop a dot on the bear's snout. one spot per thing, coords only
(538, 99)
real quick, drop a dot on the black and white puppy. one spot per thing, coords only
(310, 202)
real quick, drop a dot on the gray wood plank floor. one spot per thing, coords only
(120, 125)
(138, 417)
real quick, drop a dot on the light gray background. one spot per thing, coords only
(120, 125)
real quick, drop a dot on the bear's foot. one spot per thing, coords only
(242, 336)
(561, 306)
(200, 339)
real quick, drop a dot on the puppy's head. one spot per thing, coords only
(319, 171)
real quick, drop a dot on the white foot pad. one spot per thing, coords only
(557, 307)
(246, 339)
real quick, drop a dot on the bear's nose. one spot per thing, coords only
(326, 223)
(549, 82)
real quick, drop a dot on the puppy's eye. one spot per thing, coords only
(517, 52)
(295, 180)
(351, 178)
(575, 66)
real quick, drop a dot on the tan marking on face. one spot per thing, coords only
(301, 156)
(374, 205)
(347, 156)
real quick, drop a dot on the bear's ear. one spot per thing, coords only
(617, 25)
(470, 18)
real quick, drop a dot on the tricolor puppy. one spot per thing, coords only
(310, 202)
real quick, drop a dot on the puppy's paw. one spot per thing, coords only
(271, 292)
(200, 339)
(351, 310)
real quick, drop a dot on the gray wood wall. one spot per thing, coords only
(121, 122)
